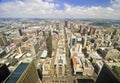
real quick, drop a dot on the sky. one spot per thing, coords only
(103, 9)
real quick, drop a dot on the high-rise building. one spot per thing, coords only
(110, 73)
(84, 31)
(3, 41)
(48, 38)
(35, 48)
(60, 64)
(84, 40)
(94, 30)
(66, 23)
(114, 33)
(80, 28)
(4, 72)
(19, 32)
(24, 73)
(90, 31)
(73, 41)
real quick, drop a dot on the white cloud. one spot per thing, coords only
(46, 9)
(49, 0)
(115, 3)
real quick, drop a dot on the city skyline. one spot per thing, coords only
(105, 9)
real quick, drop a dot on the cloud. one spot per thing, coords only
(90, 12)
(29, 8)
(49, 0)
(49, 9)
(115, 3)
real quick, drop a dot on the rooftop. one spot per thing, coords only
(17, 73)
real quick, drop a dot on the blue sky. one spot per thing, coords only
(86, 3)
(60, 8)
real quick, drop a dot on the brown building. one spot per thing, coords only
(3, 41)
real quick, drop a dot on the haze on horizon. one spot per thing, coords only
(103, 9)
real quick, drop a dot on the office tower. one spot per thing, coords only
(94, 30)
(19, 32)
(110, 73)
(4, 72)
(60, 68)
(84, 31)
(3, 41)
(84, 40)
(24, 73)
(35, 48)
(66, 23)
(79, 48)
(80, 28)
(114, 33)
(90, 31)
(48, 38)
(60, 64)
(57, 26)
(73, 41)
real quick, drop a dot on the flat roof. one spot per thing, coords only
(85, 80)
(60, 56)
(13, 78)
(44, 54)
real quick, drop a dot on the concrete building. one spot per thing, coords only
(19, 32)
(95, 56)
(48, 38)
(66, 23)
(3, 41)
(110, 73)
(60, 59)
(21, 49)
(110, 54)
(88, 69)
(44, 54)
(4, 72)
(46, 67)
(24, 73)
(98, 66)
(84, 40)
(77, 64)
(34, 48)
(60, 65)
(2, 53)
(73, 41)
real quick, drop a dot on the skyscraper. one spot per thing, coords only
(3, 41)
(19, 32)
(73, 41)
(84, 40)
(109, 74)
(24, 73)
(35, 48)
(4, 72)
(66, 23)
